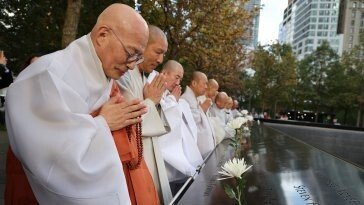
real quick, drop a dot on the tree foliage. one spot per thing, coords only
(316, 73)
(30, 26)
(204, 35)
(275, 74)
(353, 62)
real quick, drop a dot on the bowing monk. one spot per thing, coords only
(134, 84)
(205, 135)
(71, 132)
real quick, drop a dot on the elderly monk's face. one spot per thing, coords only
(154, 54)
(201, 86)
(212, 91)
(121, 53)
(173, 78)
(221, 101)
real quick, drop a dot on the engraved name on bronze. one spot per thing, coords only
(304, 194)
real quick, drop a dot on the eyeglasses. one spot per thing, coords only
(137, 58)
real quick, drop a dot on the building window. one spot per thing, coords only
(324, 20)
(325, 6)
(353, 14)
(352, 22)
(309, 41)
(354, 4)
(352, 30)
(323, 26)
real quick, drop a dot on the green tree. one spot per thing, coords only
(204, 35)
(28, 27)
(314, 74)
(353, 62)
(275, 75)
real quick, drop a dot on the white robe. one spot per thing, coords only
(205, 136)
(222, 119)
(235, 113)
(69, 157)
(179, 147)
(131, 85)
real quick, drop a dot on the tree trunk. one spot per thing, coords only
(358, 118)
(275, 109)
(72, 18)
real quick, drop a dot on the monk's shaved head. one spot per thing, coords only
(156, 48)
(229, 103)
(198, 83)
(221, 95)
(197, 76)
(123, 18)
(213, 83)
(171, 65)
(212, 89)
(221, 99)
(173, 71)
(119, 35)
(155, 33)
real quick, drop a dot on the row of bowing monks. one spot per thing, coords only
(75, 119)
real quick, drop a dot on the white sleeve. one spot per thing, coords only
(69, 156)
(126, 86)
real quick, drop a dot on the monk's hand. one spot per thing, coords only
(206, 104)
(155, 89)
(176, 92)
(119, 114)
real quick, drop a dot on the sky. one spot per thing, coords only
(270, 17)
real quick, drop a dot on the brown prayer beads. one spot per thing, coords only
(139, 142)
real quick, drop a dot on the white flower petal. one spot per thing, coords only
(234, 168)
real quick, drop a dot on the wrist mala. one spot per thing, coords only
(139, 142)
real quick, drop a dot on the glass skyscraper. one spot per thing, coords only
(307, 23)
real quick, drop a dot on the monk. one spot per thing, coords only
(205, 135)
(218, 112)
(134, 84)
(179, 146)
(70, 130)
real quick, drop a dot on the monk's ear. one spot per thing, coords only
(194, 83)
(102, 36)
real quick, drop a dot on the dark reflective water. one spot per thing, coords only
(284, 171)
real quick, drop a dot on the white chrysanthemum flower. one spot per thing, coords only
(237, 122)
(250, 118)
(234, 168)
(244, 112)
